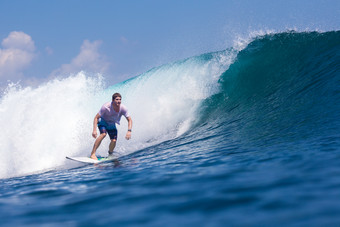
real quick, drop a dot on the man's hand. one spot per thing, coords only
(128, 135)
(95, 123)
(94, 134)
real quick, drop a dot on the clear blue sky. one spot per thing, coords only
(41, 39)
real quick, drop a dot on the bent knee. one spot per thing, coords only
(103, 134)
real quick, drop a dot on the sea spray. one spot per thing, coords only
(163, 101)
(42, 125)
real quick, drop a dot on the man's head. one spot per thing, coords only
(116, 99)
(115, 95)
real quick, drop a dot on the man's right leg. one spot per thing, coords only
(96, 145)
(112, 146)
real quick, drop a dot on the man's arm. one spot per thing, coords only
(95, 122)
(128, 134)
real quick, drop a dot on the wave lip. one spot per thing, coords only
(282, 86)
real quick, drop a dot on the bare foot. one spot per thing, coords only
(94, 157)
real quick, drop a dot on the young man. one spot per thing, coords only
(107, 118)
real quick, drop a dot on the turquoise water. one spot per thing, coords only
(260, 146)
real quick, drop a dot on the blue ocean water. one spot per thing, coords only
(245, 136)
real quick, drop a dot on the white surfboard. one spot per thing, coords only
(90, 160)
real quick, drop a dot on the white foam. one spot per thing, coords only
(41, 126)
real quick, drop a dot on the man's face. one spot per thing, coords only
(117, 101)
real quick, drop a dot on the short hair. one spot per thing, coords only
(115, 95)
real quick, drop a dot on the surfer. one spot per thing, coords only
(106, 119)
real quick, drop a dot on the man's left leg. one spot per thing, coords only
(113, 136)
(112, 145)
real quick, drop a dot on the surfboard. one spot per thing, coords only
(90, 160)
